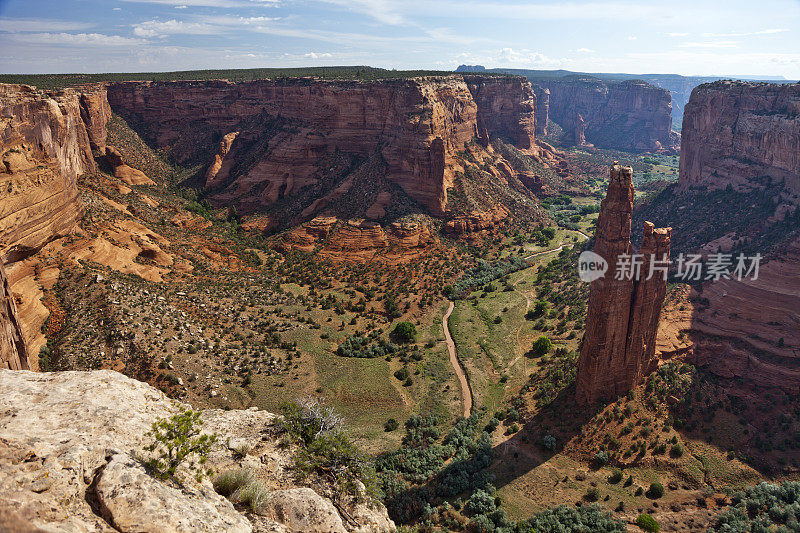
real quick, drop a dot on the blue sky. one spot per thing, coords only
(686, 37)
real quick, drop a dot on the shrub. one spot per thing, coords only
(541, 346)
(647, 523)
(253, 495)
(229, 481)
(676, 450)
(391, 425)
(764, 507)
(615, 477)
(601, 458)
(570, 519)
(176, 440)
(404, 332)
(592, 494)
(655, 491)
(549, 442)
(308, 419)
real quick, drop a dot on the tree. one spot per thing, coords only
(404, 332)
(177, 439)
(541, 346)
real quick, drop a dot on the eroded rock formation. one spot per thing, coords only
(287, 128)
(629, 115)
(44, 147)
(13, 349)
(69, 462)
(738, 133)
(619, 342)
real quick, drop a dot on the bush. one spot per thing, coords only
(549, 442)
(229, 481)
(764, 507)
(601, 458)
(241, 486)
(541, 346)
(308, 419)
(615, 477)
(404, 333)
(391, 425)
(676, 450)
(647, 523)
(568, 519)
(655, 491)
(176, 440)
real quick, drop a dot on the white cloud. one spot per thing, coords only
(157, 28)
(677, 34)
(181, 7)
(384, 11)
(585, 51)
(209, 3)
(77, 39)
(710, 44)
(318, 55)
(41, 25)
(770, 31)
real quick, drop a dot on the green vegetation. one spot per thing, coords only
(541, 346)
(655, 491)
(355, 73)
(241, 486)
(569, 519)
(404, 332)
(764, 507)
(647, 523)
(366, 347)
(178, 439)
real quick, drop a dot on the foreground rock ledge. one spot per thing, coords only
(68, 444)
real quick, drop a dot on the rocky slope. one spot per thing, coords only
(269, 141)
(619, 343)
(69, 461)
(630, 115)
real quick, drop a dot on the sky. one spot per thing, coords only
(698, 37)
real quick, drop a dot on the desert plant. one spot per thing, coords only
(177, 439)
(541, 346)
(655, 491)
(229, 481)
(404, 332)
(647, 523)
(307, 419)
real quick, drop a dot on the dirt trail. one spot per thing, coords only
(466, 392)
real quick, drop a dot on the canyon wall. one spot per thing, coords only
(619, 342)
(287, 127)
(13, 349)
(738, 133)
(630, 115)
(44, 147)
(542, 110)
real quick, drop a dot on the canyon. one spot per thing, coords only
(622, 320)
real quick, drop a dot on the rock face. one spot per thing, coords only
(95, 113)
(738, 132)
(68, 442)
(629, 115)
(619, 344)
(287, 128)
(13, 349)
(123, 171)
(44, 147)
(542, 110)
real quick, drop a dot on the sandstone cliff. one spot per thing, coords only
(13, 349)
(68, 462)
(739, 133)
(44, 147)
(630, 115)
(619, 342)
(287, 130)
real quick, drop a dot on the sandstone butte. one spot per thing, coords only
(743, 135)
(618, 347)
(629, 115)
(417, 126)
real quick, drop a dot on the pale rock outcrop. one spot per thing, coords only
(69, 443)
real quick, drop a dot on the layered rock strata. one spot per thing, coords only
(630, 115)
(619, 343)
(739, 133)
(286, 128)
(44, 147)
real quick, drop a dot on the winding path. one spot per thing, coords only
(466, 392)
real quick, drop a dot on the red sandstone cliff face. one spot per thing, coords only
(44, 147)
(738, 132)
(416, 125)
(542, 109)
(629, 115)
(619, 341)
(13, 350)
